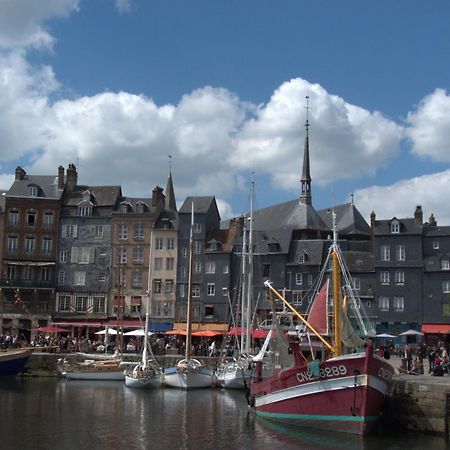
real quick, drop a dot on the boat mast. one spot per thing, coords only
(189, 296)
(250, 271)
(149, 299)
(336, 292)
(244, 289)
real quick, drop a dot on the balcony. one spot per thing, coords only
(32, 284)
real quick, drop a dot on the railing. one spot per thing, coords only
(16, 283)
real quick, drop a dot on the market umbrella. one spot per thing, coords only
(50, 329)
(206, 333)
(385, 335)
(111, 331)
(411, 333)
(139, 332)
(180, 332)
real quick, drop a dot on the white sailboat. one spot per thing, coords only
(189, 373)
(237, 374)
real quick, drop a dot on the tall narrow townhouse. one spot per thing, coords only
(132, 223)
(32, 208)
(84, 252)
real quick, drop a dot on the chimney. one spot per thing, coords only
(432, 220)
(157, 195)
(72, 176)
(60, 177)
(20, 173)
(418, 215)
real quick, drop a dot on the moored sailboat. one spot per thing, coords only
(13, 361)
(189, 373)
(344, 390)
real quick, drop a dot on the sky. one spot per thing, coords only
(116, 86)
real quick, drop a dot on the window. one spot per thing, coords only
(102, 251)
(197, 228)
(122, 256)
(356, 282)
(81, 303)
(31, 218)
(383, 303)
(46, 246)
(209, 310)
(170, 263)
(123, 231)
(226, 269)
(446, 287)
(63, 256)
(384, 277)
(98, 231)
(446, 309)
(157, 286)
(184, 252)
(310, 279)
(170, 243)
(45, 274)
(138, 255)
(400, 252)
(138, 231)
(197, 266)
(436, 245)
(82, 255)
(102, 277)
(137, 277)
(210, 267)
(11, 272)
(445, 264)
(13, 217)
(139, 207)
(182, 290)
(159, 243)
(196, 291)
(27, 273)
(399, 277)
(33, 191)
(399, 304)
(395, 227)
(84, 211)
(298, 278)
(61, 277)
(197, 247)
(211, 289)
(70, 231)
(48, 219)
(183, 272)
(301, 258)
(12, 244)
(64, 303)
(79, 278)
(158, 264)
(385, 253)
(30, 244)
(99, 304)
(168, 287)
(123, 208)
(266, 270)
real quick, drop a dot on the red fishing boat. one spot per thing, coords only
(332, 380)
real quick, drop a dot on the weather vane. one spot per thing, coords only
(307, 112)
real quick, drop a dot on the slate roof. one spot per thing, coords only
(2, 201)
(101, 195)
(348, 219)
(47, 185)
(313, 249)
(133, 203)
(201, 204)
(435, 231)
(169, 216)
(407, 227)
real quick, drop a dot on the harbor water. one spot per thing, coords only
(48, 413)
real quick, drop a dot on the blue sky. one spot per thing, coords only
(117, 86)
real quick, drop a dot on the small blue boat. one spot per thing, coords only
(13, 361)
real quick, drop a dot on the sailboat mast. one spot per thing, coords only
(336, 292)
(148, 305)
(244, 288)
(250, 272)
(189, 294)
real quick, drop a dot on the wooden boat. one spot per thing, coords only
(13, 361)
(95, 370)
(189, 373)
(345, 389)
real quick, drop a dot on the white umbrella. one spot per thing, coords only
(385, 335)
(411, 333)
(110, 331)
(139, 332)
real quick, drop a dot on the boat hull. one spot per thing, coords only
(144, 382)
(110, 375)
(193, 379)
(13, 361)
(233, 377)
(347, 396)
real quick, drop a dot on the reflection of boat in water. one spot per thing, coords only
(344, 389)
(13, 361)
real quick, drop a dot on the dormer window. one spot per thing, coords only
(395, 227)
(445, 264)
(139, 208)
(436, 245)
(274, 247)
(123, 208)
(301, 257)
(33, 191)
(85, 211)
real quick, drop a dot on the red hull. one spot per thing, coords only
(347, 396)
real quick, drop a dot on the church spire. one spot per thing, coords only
(170, 204)
(305, 196)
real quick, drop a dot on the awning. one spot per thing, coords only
(159, 327)
(80, 324)
(30, 263)
(436, 328)
(203, 326)
(256, 333)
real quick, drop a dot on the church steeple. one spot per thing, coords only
(305, 195)
(170, 204)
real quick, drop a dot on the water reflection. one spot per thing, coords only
(57, 414)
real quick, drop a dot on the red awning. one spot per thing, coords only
(80, 324)
(256, 333)
(436, 328)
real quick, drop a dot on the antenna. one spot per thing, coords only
(307, 107)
